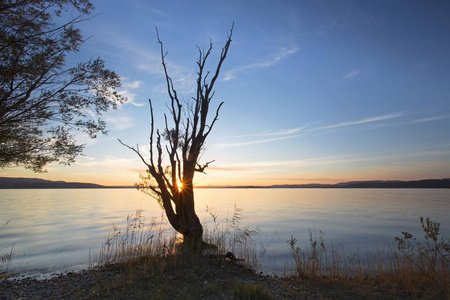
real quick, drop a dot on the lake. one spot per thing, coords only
(57, 230)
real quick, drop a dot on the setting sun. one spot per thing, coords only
(180, 186)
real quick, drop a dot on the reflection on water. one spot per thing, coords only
(55, 230)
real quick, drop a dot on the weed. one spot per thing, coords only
(149, 260)
(137, 239)
(230, 236)
(419, 268)
(6, 257)
(249, 291)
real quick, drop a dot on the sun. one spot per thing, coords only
(180, 186)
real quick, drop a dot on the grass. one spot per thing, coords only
(140, 238)
(142, 261)
(248, 291)
(6, 253)
(230, 236)
(415, 268)
(149, 264)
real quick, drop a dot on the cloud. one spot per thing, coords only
(105, 162)
(142, 6)
(120, 122)
(134, 84)
(350, 75)
(274, 59)
(130, 98)
(134, 53)
(230, 145)
(279, 132)
(247, 166)
(291, 133)
(430, 119)
(363, 121)
(389, 159)
(126, 92)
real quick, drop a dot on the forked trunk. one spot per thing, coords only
(189, 224)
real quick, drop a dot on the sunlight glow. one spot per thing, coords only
(180, 186)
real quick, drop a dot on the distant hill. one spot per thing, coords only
(36, 183)
(389, 184)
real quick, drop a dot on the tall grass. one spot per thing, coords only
(149, 264)
(419, 267)
(412, 268)
(6, 252)
(137, 239)
(140, 238)
(229, 235)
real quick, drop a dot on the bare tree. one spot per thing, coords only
(186, 130)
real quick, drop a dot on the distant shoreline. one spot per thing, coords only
(36, 183)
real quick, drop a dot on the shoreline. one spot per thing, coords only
(172, 278)
(85, 284)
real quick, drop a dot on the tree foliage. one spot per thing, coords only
(185, 133)
(42, 101)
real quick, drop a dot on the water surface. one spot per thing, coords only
(56, 230)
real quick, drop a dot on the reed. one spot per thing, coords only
(6, 252)
(412, 268)
(137, 239)
(417, 267)
(151, 265)
(229, 235)
(140, 238)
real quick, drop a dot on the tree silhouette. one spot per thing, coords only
(186, 130)
(42, 100)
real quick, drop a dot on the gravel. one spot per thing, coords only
(86, 284)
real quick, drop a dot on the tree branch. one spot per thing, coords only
(201, 168)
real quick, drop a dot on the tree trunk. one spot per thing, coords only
(189, 223)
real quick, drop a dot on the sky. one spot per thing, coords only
(313, 91)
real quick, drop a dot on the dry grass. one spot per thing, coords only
(156, 238)
(230, 236)
(6, 253)
(417, 269)
(143, 259)
(138, 239)
(152, 266)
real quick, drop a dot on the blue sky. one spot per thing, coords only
(314, 91)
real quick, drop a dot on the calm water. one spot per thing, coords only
(56, 230)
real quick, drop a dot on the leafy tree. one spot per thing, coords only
(41, 100)
(185, 133)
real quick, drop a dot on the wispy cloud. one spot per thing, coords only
(120, 122)
(293, 133)
(350, 75)
(363, 121)
(230, 145)
(430, 119)
(274, 59)
(387, 159)
(127, 92)
(143, 6)
(276, 133)
(105, 162)
(134, 52)
(134, 84)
